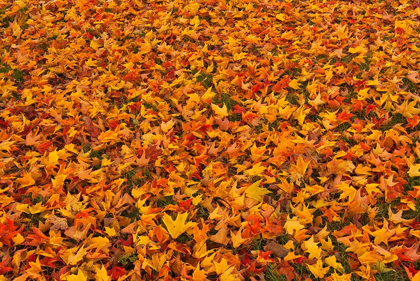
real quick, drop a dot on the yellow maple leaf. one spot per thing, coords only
(257, 169)
(18, 239)
(79, 277)
(313, 189)
(178, 226)
(195, 21)
(301, 166)
(348, 191)
(198, 274)
(344, 277)
(256, 192)
(408, 109)
(73, 256)
(221, 266)
(382, 235)
(281, 17)
(23, 208)
(221, 236)
(146, 47)
(110, 231)
(314, 252)
(311, 247)
(317, 270)
(372, 187)
(208, 95)
(221, 112)
(292, 224)
(108, 136)
(294, 84)
(342, 32)
(158, 260)
(6, 145)
(228, 275)
(35, 269)
(31, 209)
(98, 243)
(237, 239)
(37, 208)
(363, 94)
(332, 261)
(91, 62)
(53, 157)
(101, 274)
(414, 171)
(166, 126)
(26, 180)
(239, 56)
(291, 256)
(358, 49)
(27, 95)
(327, 244)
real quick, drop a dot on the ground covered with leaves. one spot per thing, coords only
(209, 140)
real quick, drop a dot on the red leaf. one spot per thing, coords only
(116, 272)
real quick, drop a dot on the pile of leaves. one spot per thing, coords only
(209, 140)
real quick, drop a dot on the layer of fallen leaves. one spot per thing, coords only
(209, 140)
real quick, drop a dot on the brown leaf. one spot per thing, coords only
(277, 249)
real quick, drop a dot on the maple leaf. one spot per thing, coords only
(257, 169)
(397, 218)
(221, 112)
(32, 140)
(318, 270)
(294, 84)
(343, 277)
(6, 145)
(412, 76)
(221, 236)
(178, 226)
(198, 274)
(408, 109)
(101, 274)
(348, 191)
(74, 255)
(287, 270)
(237, 239)
(410, 253)
(35, 269)
(221, 266)
(31, 209)
(79, 277)
(372, 188)
(53, 157)
(332, 261)
(358, 49)
(299, 169)
(292, 224)
(167, 126)
(414, 170)
(208, 95)
(108, 136)
(256, 192)
(146, 47)
(26, 180)
(18, 239)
